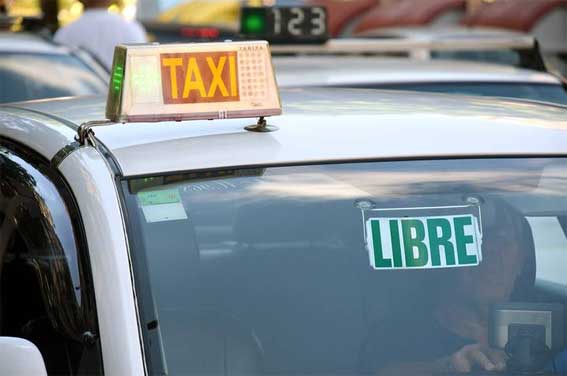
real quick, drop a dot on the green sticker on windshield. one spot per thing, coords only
(161, 205)
(166, 196)
(423, 242)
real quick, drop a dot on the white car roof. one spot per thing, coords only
(28, 43)
(316, 125)
(338, 70)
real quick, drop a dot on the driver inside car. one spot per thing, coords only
(450, 333)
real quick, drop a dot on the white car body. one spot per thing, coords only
(349, 126)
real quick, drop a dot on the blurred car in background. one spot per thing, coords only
(446, 62)
(518, 50)
(440, 76)
(433, 22)
(302, 31)
(481, 44)
(546, 20)
(512, 56)
(34, 68)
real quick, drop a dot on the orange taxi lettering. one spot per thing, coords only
(200, 77)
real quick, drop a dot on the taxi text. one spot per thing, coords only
(199, 77)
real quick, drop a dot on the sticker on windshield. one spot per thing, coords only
(163, 205)
(422, 241)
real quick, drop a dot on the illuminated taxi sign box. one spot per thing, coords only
(192, 81)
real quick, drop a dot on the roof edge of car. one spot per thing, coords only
(52, 116)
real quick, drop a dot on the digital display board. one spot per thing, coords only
(285, 24)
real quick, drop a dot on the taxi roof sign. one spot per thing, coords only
(152, 82)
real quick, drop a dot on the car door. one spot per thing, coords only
(46, 288)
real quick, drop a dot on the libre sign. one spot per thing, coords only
(423, 242)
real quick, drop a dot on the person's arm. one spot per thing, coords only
(425, 368)
(468, 358)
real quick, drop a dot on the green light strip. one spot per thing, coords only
(115, 86)
(117, 77)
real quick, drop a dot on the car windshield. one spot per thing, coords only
(402, 267)
(551, 93)
(27, 76)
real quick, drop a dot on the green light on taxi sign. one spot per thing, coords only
(117, 77)
(114, 100)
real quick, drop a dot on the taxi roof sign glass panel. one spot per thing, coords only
(192, 81)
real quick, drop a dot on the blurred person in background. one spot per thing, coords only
(99, 31)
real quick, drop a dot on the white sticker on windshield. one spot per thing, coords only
(162, 205)
(423, 242)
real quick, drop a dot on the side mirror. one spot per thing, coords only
(20, 357)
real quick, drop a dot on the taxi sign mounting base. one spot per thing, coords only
(261, 126)
(86, 135)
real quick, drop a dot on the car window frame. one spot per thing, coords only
(83, 325)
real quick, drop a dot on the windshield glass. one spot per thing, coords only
(551, 93)
(362, 268)
(37, 76)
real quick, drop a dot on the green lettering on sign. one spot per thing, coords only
(411, 243)
(379, 260)
(396, 249)
(437, 240)
(462, 240)
(423, 242)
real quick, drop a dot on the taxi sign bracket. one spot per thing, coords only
(261, 126)
(85, 134)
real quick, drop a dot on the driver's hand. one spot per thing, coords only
(477, 356)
